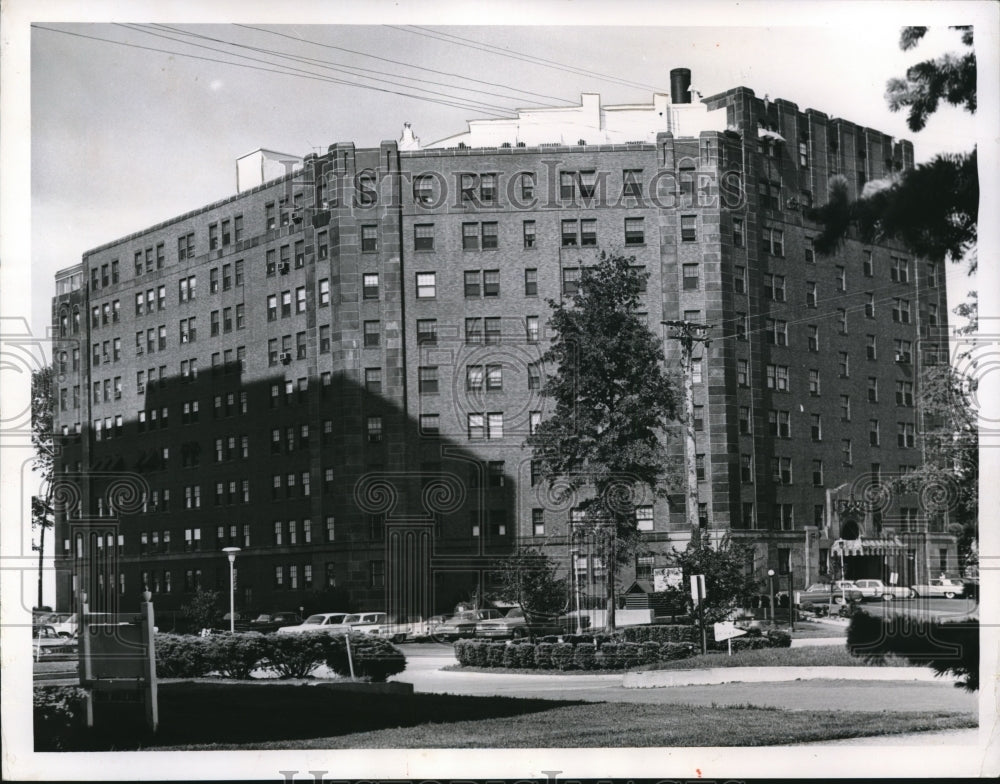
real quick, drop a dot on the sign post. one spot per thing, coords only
(726, 630)
(698, 596)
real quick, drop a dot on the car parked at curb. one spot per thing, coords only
(838, 592)
(516, 624)
(333, 623)
(46, 639)
(942, 587)
(377, 624)
(463, 624)
(265, 623)
(879, 591)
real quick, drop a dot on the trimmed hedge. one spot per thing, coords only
(661, 633)
(374, 658)
(543, 656)
(57, 716)
(183, 657)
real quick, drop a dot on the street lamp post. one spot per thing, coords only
(231, 553)
(770, 592)
(576, 593)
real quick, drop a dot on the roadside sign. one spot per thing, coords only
(697, 588)
(727, 630)
(667, 577)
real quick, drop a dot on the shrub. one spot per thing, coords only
(462, 652)
(296, 655)
(543, 655)
(576, 639)
(584, 656)
(779, 639)
(607, 656)
(661, 633)
(562, 656)
(525, 655)
(551, 639)
(182, 657)
(494, 654)
(673, 651)
(946, 647)
(600, 639)
(649, 652)
(510, 658)
(57, 716)
(628, 654)
(235, 655)
(374, 657)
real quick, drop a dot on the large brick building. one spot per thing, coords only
(335, 369)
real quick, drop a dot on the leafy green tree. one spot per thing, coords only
(528, 579)
(727, 583)
(42, 412)
(203, 610)
(933, 208)
(612, 401)
(948, 479)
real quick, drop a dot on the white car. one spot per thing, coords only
(876, 589)
(378, 625)
(944, 587)
(333, 623)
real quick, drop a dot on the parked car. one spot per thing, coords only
(569, 622)
(879, 591)
(64, 623)
(837, 592)
(942, 586)
(241, 623)
(463, 624)
(515, 625)
(378, 625)
(46, 639)
(265, 623)
(334, 623)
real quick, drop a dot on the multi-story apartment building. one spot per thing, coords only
(335, 370)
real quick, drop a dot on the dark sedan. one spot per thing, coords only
(265, 623)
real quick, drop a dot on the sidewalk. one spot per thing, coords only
(966, 737)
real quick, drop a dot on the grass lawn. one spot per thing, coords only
(621, 725)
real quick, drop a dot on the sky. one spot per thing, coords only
(123, 137)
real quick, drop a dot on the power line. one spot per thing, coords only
(465, 103)
(521, 56)
(315, 77)
(405, 64)
(350, 70)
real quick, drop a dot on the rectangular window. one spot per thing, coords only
(689, 228)
(534, 377)
(845, 408)
(470, 236)
(872, 389)
(740, 279)
(369, 285)
(374, 429)
(428, 380)
(430, 425)
(812, 331)
(843, 364)
(423, 236)
(426, 285)
(528, 233)
(493, 330)
(531, 282)
(846, 453)
(814, 383)
(746, 469)
(745, 420)
(489, 236)
(373, 380)
(588, 231)
(494, 425)
(491, 283)
(873, 433)
(743, 373)
(905, 434)
(369, 239)
(739, 236)
(538, 522)
(691, 277)
(570, 281)
(569, 233)
(904, 393)
(902, 350)
(372, 332)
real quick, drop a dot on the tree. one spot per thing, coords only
(727, 583)
(932, 208)
(948, 478)
(528, 579)
(613, 401)
(42, 412)
(203, 609)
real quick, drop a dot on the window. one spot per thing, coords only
(781, 470)
(696, 370)
(426, 285)
(372, 332)
(531, 325)
(843, 364)
(873, 432)
(493, 332)
(743, 373)
(635, 231)
(691, 277)
(814, 383)
(369, 239)
(491, 283)
(644, 517)
(899, 270)
(494, 378)
(845, 408)
(745, 420)
(812, 331)
(428, 380)
(810, 251)
(742, 323)
(740, 279)
(904, 393)
(846, 455)
(689, 228)
(872, 389)
(494, 425)
(779, 423)
(430, 425)
(534, 377)
(373, 380)
(700, 467)
(774, 241)
(932, 314)
(570, 281)
(473, 331)
(569, 233)
(423, 189)
(534, 420)
(777, 332)
(901, 311)
(538, 522)
(300, 299)
(775, 285)
(423, 236)
(902, 351)
(842, 320)
(866, 263)
(746, 469)
(905, 434)
(374, 429)
(810, 294)
(739, 235)
(477, 426)
(841, 273)
(588, 231)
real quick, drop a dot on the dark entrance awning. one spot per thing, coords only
(863, 546)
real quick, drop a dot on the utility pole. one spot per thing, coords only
(689, 333)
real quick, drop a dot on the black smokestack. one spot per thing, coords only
(680, 84)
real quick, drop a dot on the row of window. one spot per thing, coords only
(777, 377)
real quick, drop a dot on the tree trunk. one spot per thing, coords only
(41, 556)
(610, 570)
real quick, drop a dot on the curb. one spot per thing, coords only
(652, 679)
